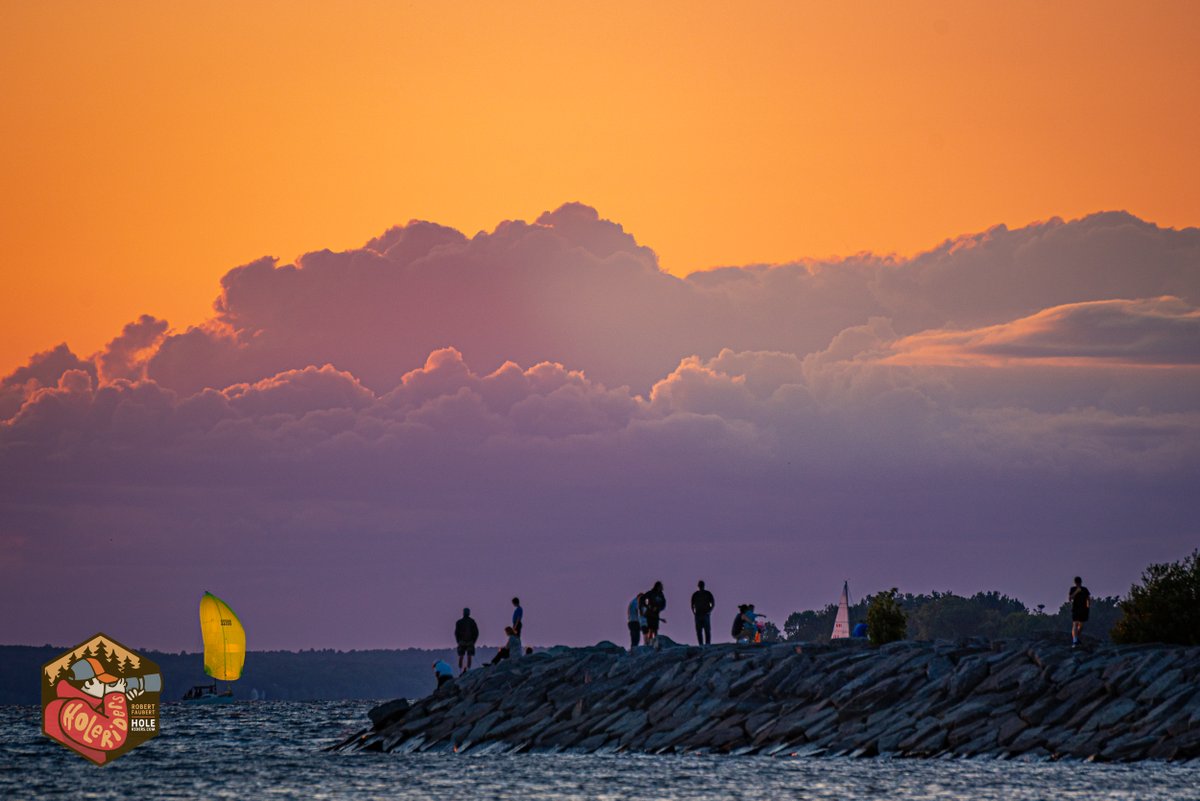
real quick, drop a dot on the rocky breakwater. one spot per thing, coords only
(919, 699)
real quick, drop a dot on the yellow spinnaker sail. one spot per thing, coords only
(224, 639)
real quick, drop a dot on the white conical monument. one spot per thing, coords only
(841, 625)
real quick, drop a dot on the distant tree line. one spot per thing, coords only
(273, 675)
(944, 615)
(1163, 607)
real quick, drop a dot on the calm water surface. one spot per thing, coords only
(272, 750)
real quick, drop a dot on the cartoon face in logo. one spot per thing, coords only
(100, 699)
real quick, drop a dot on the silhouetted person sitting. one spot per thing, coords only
(515, 649)
(505, 651)
(745, 626)
(739, 622)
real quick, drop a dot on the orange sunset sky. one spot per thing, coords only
(149, 147)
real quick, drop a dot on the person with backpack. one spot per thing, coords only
(466, 633)
(655, 601)
(702, 606)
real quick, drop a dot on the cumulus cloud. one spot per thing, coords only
(577, 289)
(44, 370)
(126, 355)
(541, 406)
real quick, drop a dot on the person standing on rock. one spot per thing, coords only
(653, 602)
(633, 615)
(1081, 602)
(518, 616)
(702, 606)
(466, 633)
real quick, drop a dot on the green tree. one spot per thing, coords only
(810, 624)
(886, 621)
(1165, 607)
(815, 625)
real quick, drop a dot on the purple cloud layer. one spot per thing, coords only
(359, 444)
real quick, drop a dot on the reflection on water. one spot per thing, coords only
(272, 750)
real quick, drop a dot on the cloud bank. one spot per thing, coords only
(358, 443)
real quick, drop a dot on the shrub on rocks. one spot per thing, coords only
(1165, 607)
(886, 621)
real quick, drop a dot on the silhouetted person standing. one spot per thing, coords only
(1081, 603)
(634, 616)
(654, 602)
(518, 616)
(702, 606)
(466, 633)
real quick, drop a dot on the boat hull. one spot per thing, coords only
(210, 699)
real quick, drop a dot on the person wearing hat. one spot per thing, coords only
(90, 712)
(443, 672)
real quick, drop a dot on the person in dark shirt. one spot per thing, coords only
(466, 632)
(739, 623)
(1081, 601)
(654, 602)
(702, 606)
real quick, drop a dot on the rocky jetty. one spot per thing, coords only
(917, 699)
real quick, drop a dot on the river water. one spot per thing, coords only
(258, 750)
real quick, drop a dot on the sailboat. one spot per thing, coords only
(841, 624)
(224, 650)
